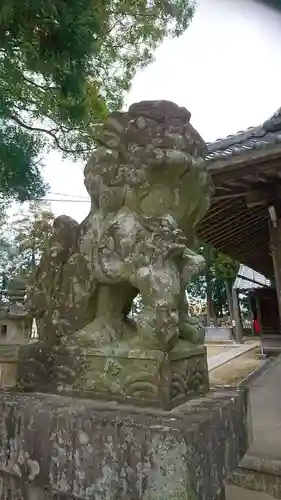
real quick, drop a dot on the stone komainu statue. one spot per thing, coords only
(148, 188)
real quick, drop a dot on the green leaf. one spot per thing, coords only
(63, 66)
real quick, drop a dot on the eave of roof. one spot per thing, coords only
(260, 140)
(248, 279)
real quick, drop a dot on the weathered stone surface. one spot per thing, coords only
(16, 290)
(53, 447)
(219, 333)
(149, 188)
(143, 377)
(15, 326)
(8, 372)
(119, 372)
(259, 474)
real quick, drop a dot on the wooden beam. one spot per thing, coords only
(234, 172)
(247, 241)
(269, 191)
(275, 244)
(252, 247)
(249, 158)
(230, 196)
(237, 229)
(215, 210)
(247, 257)
(223, 222)
(233, 211)
(237, 234)
(249, 249)
(263, 196)
(224, 188)
(240, 184)
(264, 178)
(270, 176)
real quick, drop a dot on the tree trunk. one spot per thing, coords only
(219, 303)
(210, 303)
(228, 289)
(211, 312)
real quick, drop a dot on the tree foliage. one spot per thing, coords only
(225, 267)
(23, 241)
(63, 66)
(7, 248)
(214, 284)
(31, 231)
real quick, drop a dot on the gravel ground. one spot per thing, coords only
(213, 350)
(236, 370)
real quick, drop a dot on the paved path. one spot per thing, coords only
(265, 397)
(233, 493)
(229, 354)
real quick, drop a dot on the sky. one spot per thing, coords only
(226, 69)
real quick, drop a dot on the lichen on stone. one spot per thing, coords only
(148, 188)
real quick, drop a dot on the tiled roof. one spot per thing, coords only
(248, 279)
(262, 137)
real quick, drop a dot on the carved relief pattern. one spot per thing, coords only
(189, 377)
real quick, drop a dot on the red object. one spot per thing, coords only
(257, 327)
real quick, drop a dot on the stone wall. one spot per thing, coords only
(219, 333)
(58, 448)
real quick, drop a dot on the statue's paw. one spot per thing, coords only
(194, 333)
(191, 266)
(97, 333)
(167, 328)
(192, 321)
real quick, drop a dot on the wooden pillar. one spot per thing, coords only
(275, 246)
(238, 328)
(252, 315)
(259, 317)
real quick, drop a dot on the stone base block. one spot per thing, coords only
(8, 364)
(218, 334)
(62, 448)
(9, 352)
(259, 474)
(8, 373)
(144, 377)
(125, 374)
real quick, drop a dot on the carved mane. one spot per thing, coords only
(137, 145)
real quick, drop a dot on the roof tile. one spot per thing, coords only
(254, 138)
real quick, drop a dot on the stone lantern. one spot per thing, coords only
(15, 330)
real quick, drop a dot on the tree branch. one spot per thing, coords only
(51, 133)
(37, 85)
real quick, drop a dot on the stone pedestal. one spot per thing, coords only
(60, 448)
(8, 365)
(149, 188)
(118, 372)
